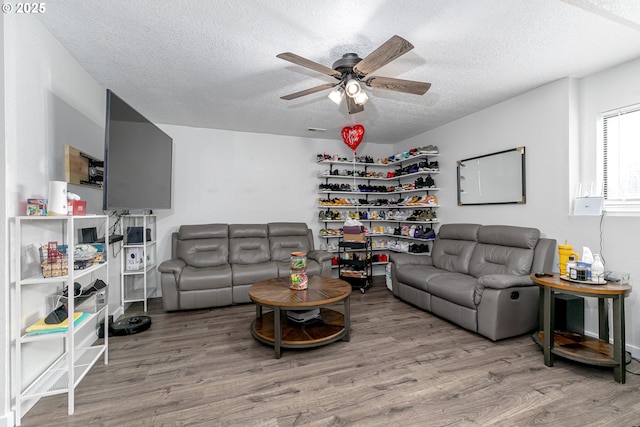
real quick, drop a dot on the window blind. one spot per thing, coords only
(621, 155)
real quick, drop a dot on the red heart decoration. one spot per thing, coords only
(352, 136)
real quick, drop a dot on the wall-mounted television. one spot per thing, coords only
(138, 160)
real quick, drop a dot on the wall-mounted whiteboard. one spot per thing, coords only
(495, 178)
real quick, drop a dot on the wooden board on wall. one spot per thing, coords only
(77, 167)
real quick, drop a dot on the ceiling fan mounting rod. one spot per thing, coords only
(345, 65)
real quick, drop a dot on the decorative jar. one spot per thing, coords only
(299, 279)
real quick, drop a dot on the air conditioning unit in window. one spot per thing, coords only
(588, 206)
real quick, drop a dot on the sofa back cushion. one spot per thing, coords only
(248, 244)
(453, 247)
(287, 237)
(205, 245)
(504, 249)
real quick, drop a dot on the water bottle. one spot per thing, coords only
(597, 270)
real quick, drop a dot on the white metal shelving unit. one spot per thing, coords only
(327, 176)
(66, 372)
(139, 283)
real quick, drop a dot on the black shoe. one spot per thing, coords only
(58, 315)
(429, 182)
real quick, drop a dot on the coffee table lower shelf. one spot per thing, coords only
(581, 348)
(329, 329)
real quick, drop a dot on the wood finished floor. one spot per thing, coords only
(402, 367)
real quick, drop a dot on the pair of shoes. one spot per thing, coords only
(418, 248)
(429, 149)
(421, 233)
(380, 258)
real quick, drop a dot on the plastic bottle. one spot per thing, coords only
(597, 270)
(571, 267)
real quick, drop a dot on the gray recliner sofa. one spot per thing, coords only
(214, 265)
(478, 277)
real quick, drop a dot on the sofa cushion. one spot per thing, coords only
(248, 244)
(504, 249)
(453, 247)
(249, 274)
(203, 252)
(459, 232)
(494, 259)
(507, 235)
(287, 237)
(203, 231)
(237, 231)
(198, 278)
(417, 276)
(454, 287)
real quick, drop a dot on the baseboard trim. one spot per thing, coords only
(7, 419)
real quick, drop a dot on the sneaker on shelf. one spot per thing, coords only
(430, 234)
(429, 149)
(429, 182)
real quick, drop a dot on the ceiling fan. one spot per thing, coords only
(351, 71)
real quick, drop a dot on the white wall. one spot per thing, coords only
(559, 153)
(50, 101)
(234, 177)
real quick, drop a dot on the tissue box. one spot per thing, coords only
(77, 207)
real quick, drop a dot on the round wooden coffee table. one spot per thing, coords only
(275, 328)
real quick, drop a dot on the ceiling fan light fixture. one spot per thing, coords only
(352, 88)
(360, 98)
(337, 94)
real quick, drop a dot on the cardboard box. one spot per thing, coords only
(135, 259)
(36, 207)
(77, 207)
(360, 237)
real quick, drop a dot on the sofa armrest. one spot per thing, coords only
(499, 281)
(320, 256)
(504, 281)
(323, 258)
(406, 259)
(174, 266)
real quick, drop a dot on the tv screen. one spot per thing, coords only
(138, 160)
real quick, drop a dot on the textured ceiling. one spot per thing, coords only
(212, 63)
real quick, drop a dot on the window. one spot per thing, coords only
(621, 158)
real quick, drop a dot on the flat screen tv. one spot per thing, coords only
(138, 160)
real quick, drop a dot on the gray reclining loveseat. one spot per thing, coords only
(478, 277)
(214, 265)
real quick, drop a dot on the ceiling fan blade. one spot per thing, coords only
(307, 63)
(353, 107)
(399, 85)
(308, 91)
(391, 49)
